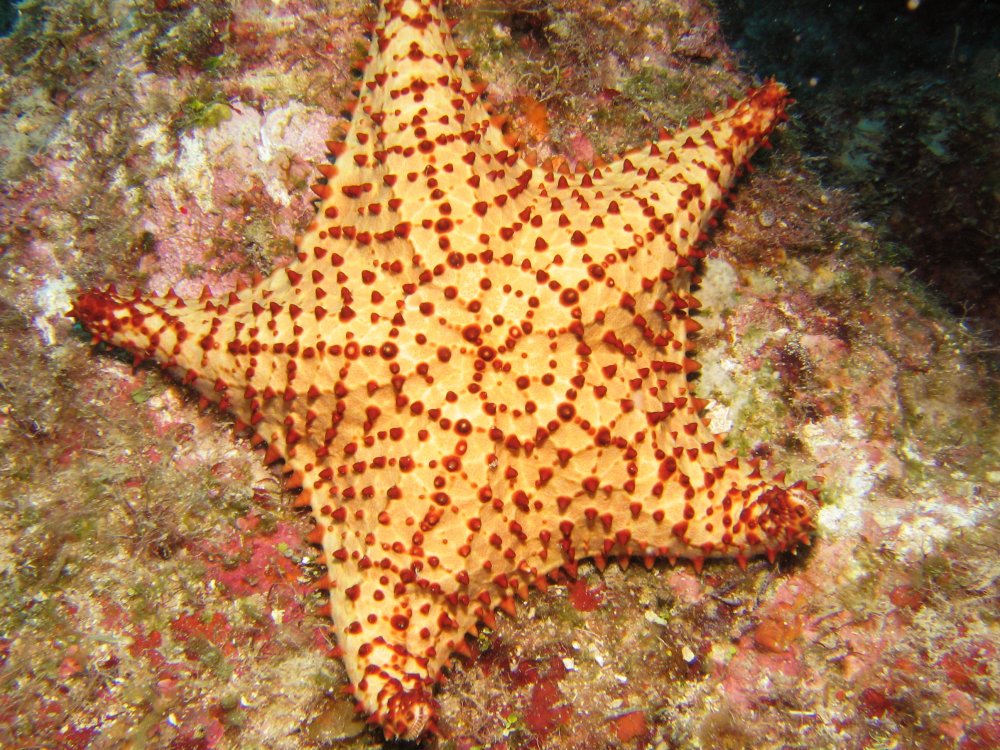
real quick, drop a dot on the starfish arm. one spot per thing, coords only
(682, 179)
(181, 335)
(419, 125)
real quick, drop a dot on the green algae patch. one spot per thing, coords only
(198, 113)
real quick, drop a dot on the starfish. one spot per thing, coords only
(475, 368)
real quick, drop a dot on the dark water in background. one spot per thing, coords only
(8, 15)
(900, 102)
(843, 43)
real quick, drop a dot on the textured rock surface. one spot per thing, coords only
(156, 583)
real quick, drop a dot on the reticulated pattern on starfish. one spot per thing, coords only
(475, 370)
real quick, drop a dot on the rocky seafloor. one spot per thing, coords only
(154, 581)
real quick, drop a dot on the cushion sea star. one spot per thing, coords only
(475, 369)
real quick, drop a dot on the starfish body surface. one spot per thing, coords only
(475, 369)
